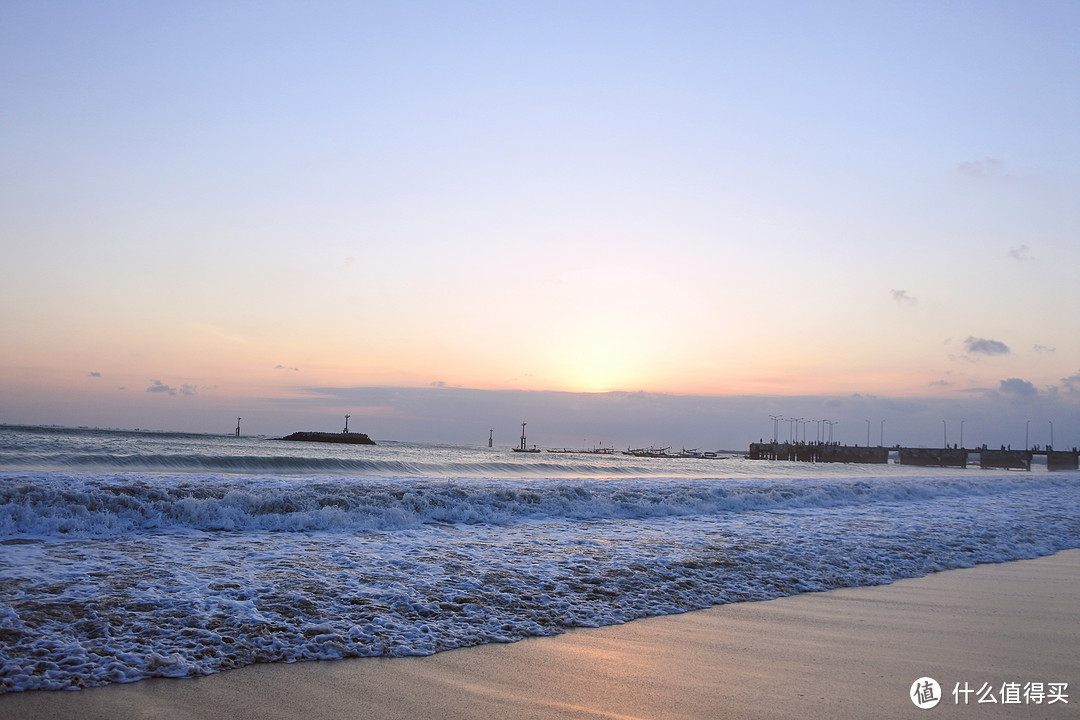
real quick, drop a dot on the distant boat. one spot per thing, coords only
(522, 447)
(649, 453)
(594, 451)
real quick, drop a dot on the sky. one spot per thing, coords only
(624, 222)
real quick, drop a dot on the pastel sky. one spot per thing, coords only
(446, 217)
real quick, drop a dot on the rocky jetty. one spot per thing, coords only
(351, 438)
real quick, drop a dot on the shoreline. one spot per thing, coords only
(844, 653)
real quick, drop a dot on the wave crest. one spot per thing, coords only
(106, 505)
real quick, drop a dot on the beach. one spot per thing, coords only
(1002, 629)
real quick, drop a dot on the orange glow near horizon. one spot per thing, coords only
(679, 219)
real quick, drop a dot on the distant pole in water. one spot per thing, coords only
(522, 436)
(491, 434)
(346, 424)
(237, 427)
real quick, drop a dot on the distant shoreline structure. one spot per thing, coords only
(1005, 458)
(349, 438)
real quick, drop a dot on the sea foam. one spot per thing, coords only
(133, 555)
(112, 578)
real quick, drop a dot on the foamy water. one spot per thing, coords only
(132, 555)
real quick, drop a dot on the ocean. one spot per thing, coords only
(127, 555)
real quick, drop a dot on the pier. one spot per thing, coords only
(1006, 459)
(817, 452)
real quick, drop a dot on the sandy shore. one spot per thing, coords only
(851, 653)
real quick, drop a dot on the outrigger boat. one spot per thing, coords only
(650, 453)
(698, 454)
(522, 448)
(594, 451)
(663, 453)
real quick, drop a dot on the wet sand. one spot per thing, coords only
(849, 653)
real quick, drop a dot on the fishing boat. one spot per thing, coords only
(648, 452)
(522, 448)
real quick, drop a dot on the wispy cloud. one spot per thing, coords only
(1020, 253)
(982, 346)
(987, 168)
(94, 373)
(160, 387)
(1045, 349)
(902, 297)
(282, 367)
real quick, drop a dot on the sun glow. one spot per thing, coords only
(601, 360)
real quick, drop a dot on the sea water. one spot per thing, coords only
(127, 555)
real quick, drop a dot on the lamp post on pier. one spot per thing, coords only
(775, 424)
(868, 433)
(1051, 435)
(944, 434)
(961, 434)
(882, 440)
(1027, 428)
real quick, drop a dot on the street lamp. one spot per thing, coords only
(882, 441)
(1051, 435)
(867, 433)
(775, 423)
(1027, 428)
(961, 433)
(944, 434)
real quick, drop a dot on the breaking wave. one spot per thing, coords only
(96, 505)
